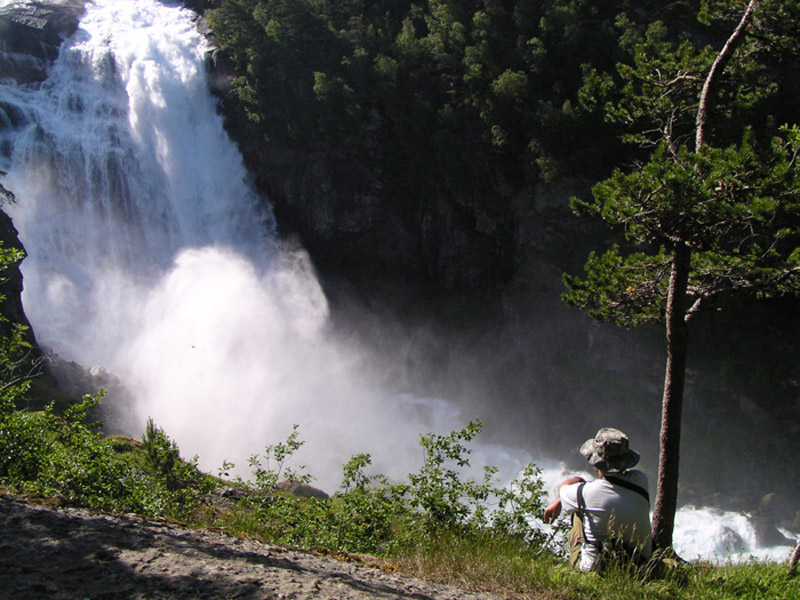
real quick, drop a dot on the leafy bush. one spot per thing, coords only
(369, 515)
(267, 477)
(437, 488)
(63, 456)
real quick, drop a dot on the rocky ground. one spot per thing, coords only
(58, 552)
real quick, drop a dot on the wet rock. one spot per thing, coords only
(302, 490)
(226, 496)
(780, 510)
(767, 533)
(732, 541)
(30, 35)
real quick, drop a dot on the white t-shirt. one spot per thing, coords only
(612, 509)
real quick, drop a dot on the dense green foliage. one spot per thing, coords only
(454, 95)
(464, 100)
(61, 456)
(449, 115)
(738, 207)
(368, 514)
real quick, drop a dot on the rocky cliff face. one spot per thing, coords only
(361, 218)
(11, 306)
(346, 212)
(31, 33)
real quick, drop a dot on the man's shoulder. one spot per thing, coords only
(632, 478)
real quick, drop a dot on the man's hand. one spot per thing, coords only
(551, 512)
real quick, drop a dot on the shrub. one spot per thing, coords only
(369, 515)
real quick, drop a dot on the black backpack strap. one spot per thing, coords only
(628, 485)
(582, 509)
(581, 502)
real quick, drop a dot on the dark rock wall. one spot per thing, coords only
(357, 221)
(30, 34)
(11, 288)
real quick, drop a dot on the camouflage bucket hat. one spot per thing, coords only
(609, 451)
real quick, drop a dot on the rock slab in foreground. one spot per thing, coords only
(67, 553)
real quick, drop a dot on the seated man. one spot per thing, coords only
(614, 508)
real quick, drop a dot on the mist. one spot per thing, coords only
(230, 357)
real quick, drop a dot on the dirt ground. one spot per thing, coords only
(57, 553)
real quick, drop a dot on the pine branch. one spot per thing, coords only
(716, 71)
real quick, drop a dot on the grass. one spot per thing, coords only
(428, 528)
(501, 570)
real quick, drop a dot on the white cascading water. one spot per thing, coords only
(150, 254)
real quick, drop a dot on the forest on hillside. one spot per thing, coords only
(464, 104)
(467, 92)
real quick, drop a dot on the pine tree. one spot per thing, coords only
(715, 209)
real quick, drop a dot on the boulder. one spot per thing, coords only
(767, 533)
(301, 490)
(732, 541)
(30, 35)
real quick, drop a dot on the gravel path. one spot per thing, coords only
(59, 553)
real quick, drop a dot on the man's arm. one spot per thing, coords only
(551, 512)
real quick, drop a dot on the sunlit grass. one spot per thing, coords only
(509, 574)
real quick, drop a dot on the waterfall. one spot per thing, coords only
(150, 253)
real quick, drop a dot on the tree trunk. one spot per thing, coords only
(793, 558)
(677, 342)
(666, 502)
